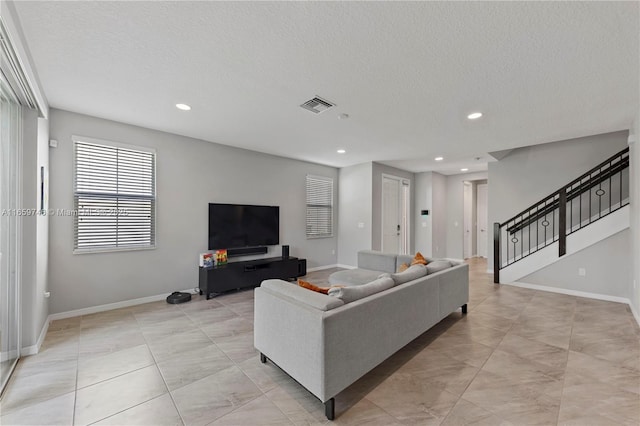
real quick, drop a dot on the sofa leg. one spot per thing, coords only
(464, 308)
(263, 358)
(330, 409)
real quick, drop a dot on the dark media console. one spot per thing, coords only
(250, 273)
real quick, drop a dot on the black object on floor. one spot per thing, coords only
(177, 297)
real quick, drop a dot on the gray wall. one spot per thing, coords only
(531, 173)
(430, 232)
(634, 157)
(455, 212)
(606, 274)
(377, 171)
(440, 215)
(355, 203)
(190, 174)
(422, 225)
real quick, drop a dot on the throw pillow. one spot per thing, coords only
(419, 259)
(412, 273)
(350, 294)
(403, 267)
(437, 266)
(313, 287)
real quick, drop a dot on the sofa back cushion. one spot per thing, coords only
(316, 300)
(350, 294)
(377, 261)
(411, 273)
(438, 265)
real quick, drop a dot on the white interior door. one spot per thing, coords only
(468, 224)
(391, 219)
(482, 214)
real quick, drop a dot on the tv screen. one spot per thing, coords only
(235, 226)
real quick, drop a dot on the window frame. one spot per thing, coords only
(331, 206)
(113, 144)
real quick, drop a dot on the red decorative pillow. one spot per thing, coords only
(313, 287)
(403, 267)
(419, 259)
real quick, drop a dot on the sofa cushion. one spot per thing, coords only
(437, 266)
(377, 261)
(351, 277)
(350, 294)
(411, 273)
(316, 300)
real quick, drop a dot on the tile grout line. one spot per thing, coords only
(564, 376)
(155, 363)
(482, 366)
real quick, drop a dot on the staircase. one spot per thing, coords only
(588, 209)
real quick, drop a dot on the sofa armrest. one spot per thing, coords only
(377, 261)
(290, 333)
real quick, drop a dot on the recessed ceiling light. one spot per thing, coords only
(474, 115)
(439, 158)
(183, 107)
(464, 170)
(341, 151)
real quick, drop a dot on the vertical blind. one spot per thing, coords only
(319, 206)
(114, 196)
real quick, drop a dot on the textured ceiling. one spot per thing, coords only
(406, 73)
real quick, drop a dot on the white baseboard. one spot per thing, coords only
(339, 265)
(34, 349)
(635, 313)
(571, 292)
(320, 268)
(111, 306)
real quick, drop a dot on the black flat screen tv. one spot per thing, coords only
(236, 225)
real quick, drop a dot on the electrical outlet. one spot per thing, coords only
(582, 272)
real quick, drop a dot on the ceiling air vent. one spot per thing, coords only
(317, 105)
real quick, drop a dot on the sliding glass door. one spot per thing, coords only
(10, 143)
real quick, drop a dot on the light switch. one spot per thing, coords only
(360, 224)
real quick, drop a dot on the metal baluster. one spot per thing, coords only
(599, 195)
(581, 192)
(621, 186)
(610, 179)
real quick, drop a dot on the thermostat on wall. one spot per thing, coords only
(424, 212)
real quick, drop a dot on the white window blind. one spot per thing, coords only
(114, 196)
(319, 206)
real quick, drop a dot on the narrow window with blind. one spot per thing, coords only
(114, 196)
(319, 207)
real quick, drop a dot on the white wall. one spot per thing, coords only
(606, 274)
(529, 174)
(455, 212)
(355, 203)
(190, 174)
(634, 190)
(377, 171)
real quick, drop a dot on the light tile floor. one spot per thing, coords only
(519, 357)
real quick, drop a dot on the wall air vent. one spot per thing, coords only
(317, 105)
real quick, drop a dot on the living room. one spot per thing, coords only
(557, 84)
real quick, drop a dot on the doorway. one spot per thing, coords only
(395, 214)
(475, 213)
(10, 137)
(468, 220)
(482, 213)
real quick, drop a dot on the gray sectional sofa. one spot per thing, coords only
(327, 342)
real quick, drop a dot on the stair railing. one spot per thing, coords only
(592, 196)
